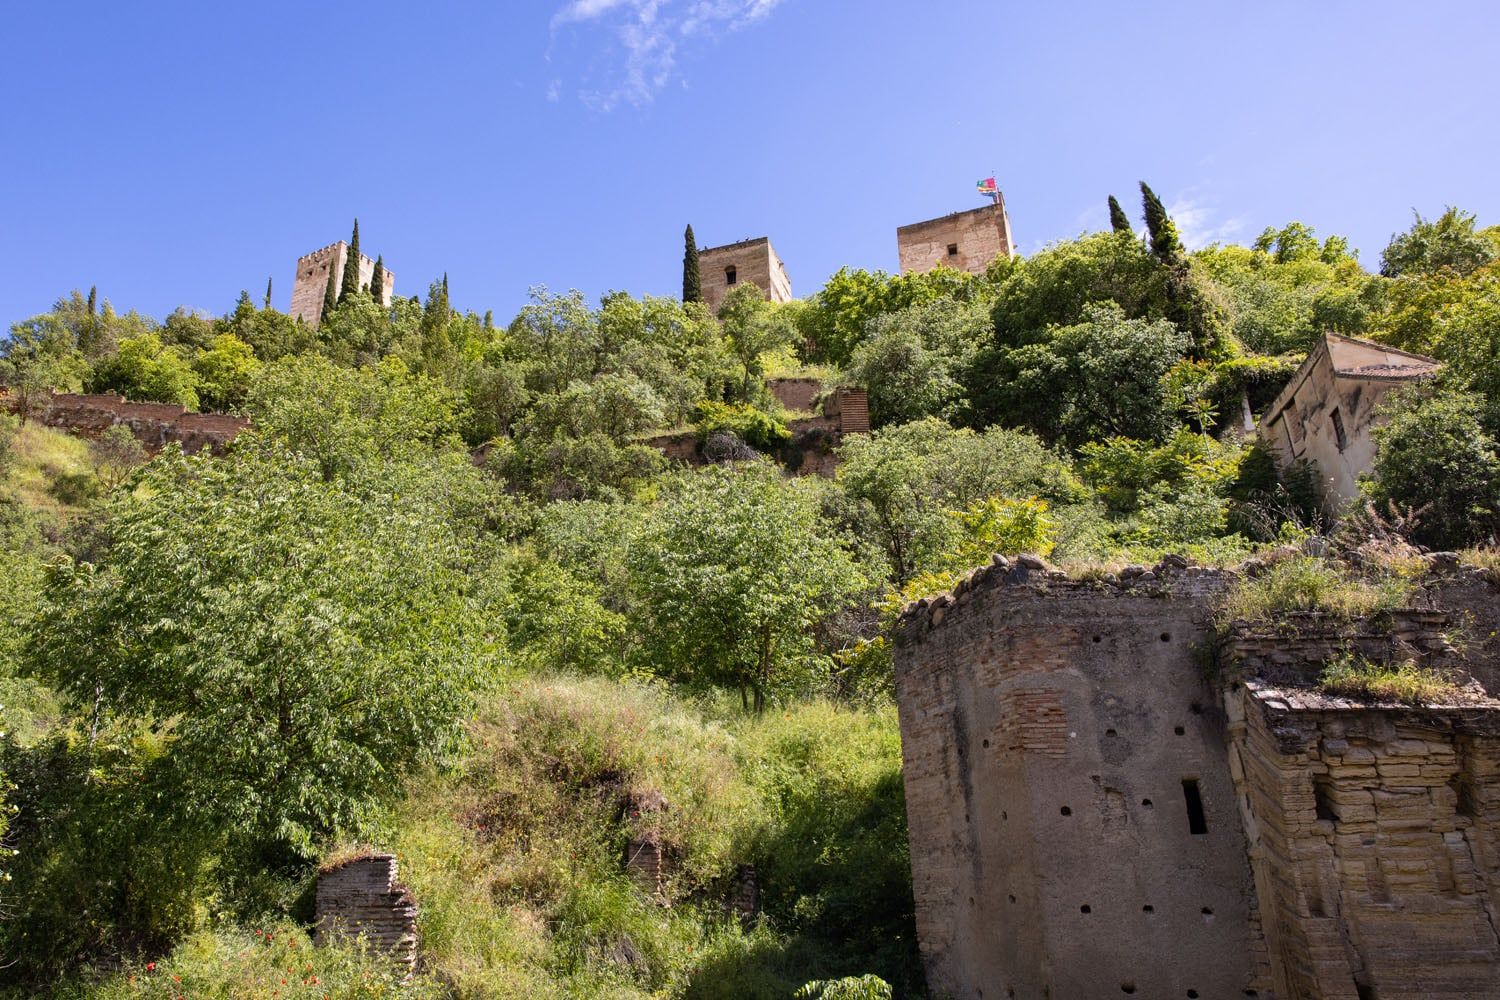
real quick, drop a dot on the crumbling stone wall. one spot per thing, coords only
(155, 425)
(362, 897)
(1072, 820)
(1085, 748)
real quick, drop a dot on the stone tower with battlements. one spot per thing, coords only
(311, 280)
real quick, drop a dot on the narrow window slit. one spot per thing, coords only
(1197, 821)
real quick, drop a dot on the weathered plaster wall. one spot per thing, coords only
(754, 262)
(1048, 726)
(310, 282)
(965, 241)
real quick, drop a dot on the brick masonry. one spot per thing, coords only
(1095, 813)
(155, 425)
(362, 897)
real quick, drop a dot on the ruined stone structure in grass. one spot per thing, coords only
(748, 262)
(965, 241)
(1110, 796)
(311, 280)
(361, 897)
(155, 425)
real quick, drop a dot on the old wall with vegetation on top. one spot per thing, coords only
(1112, 791)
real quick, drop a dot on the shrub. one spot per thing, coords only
(1306, 583)
(1354, 677)
(756, 428)
(74, 488)
(848, 988)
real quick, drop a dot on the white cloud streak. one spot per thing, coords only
(1197, 223)
(645, 36)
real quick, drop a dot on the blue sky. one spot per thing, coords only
(176, 152)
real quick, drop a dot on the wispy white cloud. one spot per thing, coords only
(645, 36)
(1198, 220)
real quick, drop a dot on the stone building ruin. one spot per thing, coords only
(1094, 812)
(965, 241)
(754, 261)
(361, 897)
(311, 280)
(1325, 414)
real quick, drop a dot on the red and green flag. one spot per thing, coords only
(987, 187)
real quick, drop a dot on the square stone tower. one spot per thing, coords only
(311, 280)
(965, 241)
(753, 261)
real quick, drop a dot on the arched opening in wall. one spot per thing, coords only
(1323, 799)
(1197, 821)
(731, 275)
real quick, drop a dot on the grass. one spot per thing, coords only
(240, 964)
(41, 457)
(1306, 583)
(1486, 559)
(1408, 683)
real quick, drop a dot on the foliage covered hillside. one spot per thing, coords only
(445, 599)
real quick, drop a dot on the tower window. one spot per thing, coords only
(952, 249)
(1338, 430)
(731, 276)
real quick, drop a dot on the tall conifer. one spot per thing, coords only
(1118, 220)
(268, 294)
(1165, 243)
(93, 300)
(692, 278)
(351, 267)
(377, 281)
(330, 294)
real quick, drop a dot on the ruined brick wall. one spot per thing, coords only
(795, 393)
(1072, 819)
(155, 425)
(964, 241)
(361, 897)
(310, 281)
(751, 261)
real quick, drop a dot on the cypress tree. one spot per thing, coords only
(377, 281)
(351, 266)
(93, 301)
(1118, 220)
(268, 294)
(692, 278)
(489, 319)
(330, 295)
(1165, 243)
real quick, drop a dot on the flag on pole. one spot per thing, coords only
(987, 187)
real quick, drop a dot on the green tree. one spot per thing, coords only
(330, 293)
(1449, 242)
(1166, 245)
(734, 569)
(1118, 221)
(753, 328)
(1433, 454)
(225, 372)
(377, 281)
(914, 362)
(297, 646)
(146, 369)
(692, 279)
(342, 419)
(116, 453)
(350, 285)
(834, 321)
(267, 303)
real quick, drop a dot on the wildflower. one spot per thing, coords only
(150, 966)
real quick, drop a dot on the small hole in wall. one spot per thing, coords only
(1067, 810)
(1197, 820)
(1110, 732)
(1148, 908)
(1195, 708)
(1011, 898)
(1004, 814)
(1207, 911)
(1192, 994)
(1085, 908)
(971, 900)
(986, 744)
(1252, 993)
(1098, 638)
(1127, 987)
(1179, 730)
(1145, 803)
(1166, 637)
